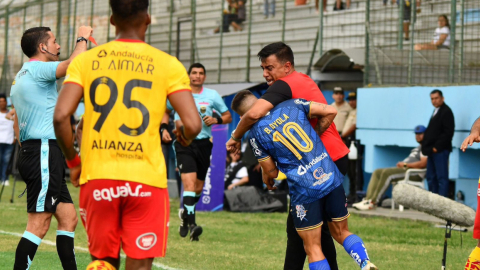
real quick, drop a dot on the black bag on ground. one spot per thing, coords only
(251, 199)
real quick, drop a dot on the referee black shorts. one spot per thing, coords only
(195, 157)
(41, 165)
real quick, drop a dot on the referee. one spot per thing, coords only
(193, 161)
(40, 162)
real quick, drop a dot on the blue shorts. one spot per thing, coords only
(332, 207)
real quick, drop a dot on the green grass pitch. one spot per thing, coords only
(251, 241)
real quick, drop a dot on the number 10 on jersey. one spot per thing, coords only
(291, 142)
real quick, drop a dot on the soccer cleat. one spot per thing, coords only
(364, 205)
(183, 230)
(195, 232)
(6, 183)
(369, 266)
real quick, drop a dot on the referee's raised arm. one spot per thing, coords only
(40, 162)
(83, 34)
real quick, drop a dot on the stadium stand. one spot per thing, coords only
(388, 60)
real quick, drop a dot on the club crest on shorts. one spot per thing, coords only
(301, 212)
(146, 241)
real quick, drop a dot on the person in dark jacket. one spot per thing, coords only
(437, 144)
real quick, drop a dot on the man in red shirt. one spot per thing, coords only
(285, 83)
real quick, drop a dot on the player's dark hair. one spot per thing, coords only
(436, 91)
(32, 38)
(239, 98)
(125, 10)
(447, 23)
(196, 65)
(282, 51)
(3, 96)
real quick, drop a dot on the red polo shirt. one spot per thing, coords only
(298, 85)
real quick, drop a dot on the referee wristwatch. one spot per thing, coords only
(405, 165)
(82, 39)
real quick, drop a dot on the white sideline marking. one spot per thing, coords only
(50, 243)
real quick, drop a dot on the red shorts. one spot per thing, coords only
(476, 226)
(125, 214)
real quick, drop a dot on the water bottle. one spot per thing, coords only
(353, 151)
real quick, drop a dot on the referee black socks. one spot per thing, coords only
(66, 250)
(26, 249)
(197, 197)
(189, 206)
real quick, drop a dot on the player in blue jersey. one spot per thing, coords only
(284, 140)
(193, 161)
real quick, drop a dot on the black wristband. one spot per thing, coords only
(163, 127)
(82, 39)
(219, 120)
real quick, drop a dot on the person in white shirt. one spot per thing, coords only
(236, 173)
(6, 139)
(441, 38)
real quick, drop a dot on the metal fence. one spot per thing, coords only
(373, 32)
(400, 47)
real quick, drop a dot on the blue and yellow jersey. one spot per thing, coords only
(286, 136)
(207, 101)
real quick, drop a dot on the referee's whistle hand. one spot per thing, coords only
(208, 120)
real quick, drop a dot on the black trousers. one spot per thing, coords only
(295, 254)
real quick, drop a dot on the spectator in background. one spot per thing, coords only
(253, 167)
(7, 139)
(437, 144)
(348, 135)
(340, 6)
(300, 2)
(241, 12)
(343, 108)
(269, 8)
(407, 15)
(324, 5)
(350, 124)
(381, 178)
(11, 114)
(234, 15)
(441, 37)
(236, 173)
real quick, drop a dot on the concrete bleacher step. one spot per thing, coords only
(344, 29)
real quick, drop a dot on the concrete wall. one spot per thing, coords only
(386, 118)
